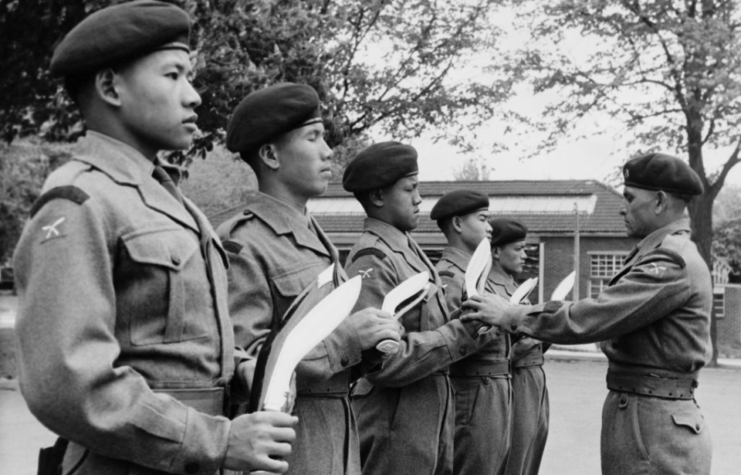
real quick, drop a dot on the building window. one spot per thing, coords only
(601, 269)
(719, 302)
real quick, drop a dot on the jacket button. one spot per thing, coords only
(175, 260)
(192, 467)
(344, 361)
(463, 351)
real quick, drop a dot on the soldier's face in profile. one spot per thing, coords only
(475, 227)
(511, 256)
(157, 101)
(402, 201)
(638, 211)
(304, 160)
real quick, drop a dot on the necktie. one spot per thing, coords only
(164, 179)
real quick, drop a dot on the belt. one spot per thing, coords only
(211, 401)
(336, 386)
(529, 360)
(653, 386)
(489, 368)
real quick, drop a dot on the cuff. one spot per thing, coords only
(343, 349)
(203, 449)
(458, 340)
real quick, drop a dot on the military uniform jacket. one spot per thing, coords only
(116, 304)
(405, 407)
(653, 318)
(276, 252)
(452, 269)
(504, 285)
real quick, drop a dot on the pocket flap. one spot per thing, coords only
(694, 422)
(168, 248)
(293, 283)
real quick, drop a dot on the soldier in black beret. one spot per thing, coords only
(530, 406)
(653, 320)
(125, 343)
(405, 407)
(277, 250)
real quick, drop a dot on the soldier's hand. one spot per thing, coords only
(260, 441)
(372, 325)
(489, 309)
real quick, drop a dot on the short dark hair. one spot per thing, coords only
(76, 84)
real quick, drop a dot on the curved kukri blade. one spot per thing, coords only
(414, 285)
(318, 323)
(405, 290)
(523, 291)
(476, 266)
(563, 289)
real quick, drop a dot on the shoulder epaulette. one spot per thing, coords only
(369, 251)
(232, 246)
(446, 273)
(69, 193)
(665, 254)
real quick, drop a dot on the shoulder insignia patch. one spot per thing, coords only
(446, 273)
(232, 246)
(53, 230)
(665, 255)
(69, 193)
(369, 251)
(365, 274)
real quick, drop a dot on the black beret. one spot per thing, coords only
(381, 164)
(661, 172)
(265, 114)
(506, 230)
(118, 34)
(459, 203)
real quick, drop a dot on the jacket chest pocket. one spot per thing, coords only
(163, 286)
(287, 286)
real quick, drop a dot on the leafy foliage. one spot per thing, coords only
(375, 63)
(473, 169)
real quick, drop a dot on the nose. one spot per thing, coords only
(623, 210)
(417, 199)
(327, 153)
(489, 229)
(192, 98)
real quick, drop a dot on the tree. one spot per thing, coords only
(381, 64)
(473, 169)
(666, 69)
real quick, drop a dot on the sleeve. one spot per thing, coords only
(453, 288)
(421, 353)
(656, 285)
(69, 359)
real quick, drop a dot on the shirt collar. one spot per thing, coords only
(654, 240)
(122, 162)
(280, 216)
(395, 238)
(456, 257)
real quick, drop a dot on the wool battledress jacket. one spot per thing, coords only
(654, 324)
(275, 253)
(405, 407)
(481, 383)
(530, 404)
(122, 314)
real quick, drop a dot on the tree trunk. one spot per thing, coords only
(701, 216)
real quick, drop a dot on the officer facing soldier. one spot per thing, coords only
(277, 250)
(405, 407)
(653, 320)
(125, 345)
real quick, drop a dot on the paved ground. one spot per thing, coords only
(576, 390)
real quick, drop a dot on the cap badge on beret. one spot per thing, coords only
(627, 174)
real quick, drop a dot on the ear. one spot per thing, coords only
(662, 202)
(106, 82)
(376, 198)
(495, 252)
(456, 222)
(268, 156)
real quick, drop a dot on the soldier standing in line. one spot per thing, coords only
(530, 408)
(276, 250)
(405, 407)
(125, 346)
(481, 381)
(653, 320)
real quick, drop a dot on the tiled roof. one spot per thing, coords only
(605, 218)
